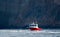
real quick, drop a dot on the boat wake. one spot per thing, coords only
(29, 33)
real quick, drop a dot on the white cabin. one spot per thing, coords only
(33, 25)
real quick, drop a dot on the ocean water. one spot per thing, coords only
(29, 33)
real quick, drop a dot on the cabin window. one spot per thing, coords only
(33, 25)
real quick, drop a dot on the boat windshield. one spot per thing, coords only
(33, 25)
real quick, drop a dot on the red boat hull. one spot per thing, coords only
(35, 28)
